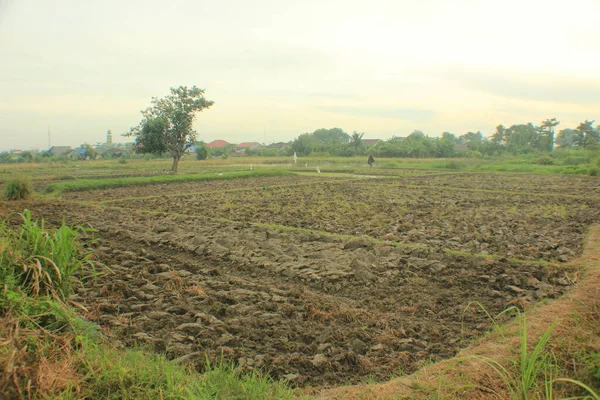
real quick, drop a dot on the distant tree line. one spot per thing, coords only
(516, 139)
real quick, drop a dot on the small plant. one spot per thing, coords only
(521, 381)
(18, 188)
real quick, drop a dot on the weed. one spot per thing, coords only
(18, 188)
(41, 262)
(521, 381)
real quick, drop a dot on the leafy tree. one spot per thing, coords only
(167, 125)
(566, 138)
(450, 137)
(473, 140)
(26, 156)
(89, 151)
(304, 144)
(331, 137)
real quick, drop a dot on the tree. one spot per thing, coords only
(167, 125)
(304, 144)
(202, 151)
(546, 134)
(356, 140)
(566, 138)
(90, 151)
(586, 135)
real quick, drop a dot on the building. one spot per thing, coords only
(242, 148)
(217, 144)
(59, 150)
(370, 142)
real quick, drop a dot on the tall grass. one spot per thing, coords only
(532, 374)
(39, 261)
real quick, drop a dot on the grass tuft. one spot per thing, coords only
(18, 188)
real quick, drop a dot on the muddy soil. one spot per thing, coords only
(570, 185)
(188, 187)
(314, 309)
(508, 224)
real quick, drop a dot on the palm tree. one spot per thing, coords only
(356, 140)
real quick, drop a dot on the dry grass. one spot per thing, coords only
(197, 290)
(315, 314)
(33, 362)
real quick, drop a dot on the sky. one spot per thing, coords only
(276, 68)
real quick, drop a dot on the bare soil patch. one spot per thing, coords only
(508, 224)
(314, 309)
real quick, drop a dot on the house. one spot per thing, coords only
(244, 147)
(461, 147)
(192, 149)
(217, 144)
(113, 153)
(370, 142)
(59, 150)
(77, 154)
(16, 151)
(279, 145)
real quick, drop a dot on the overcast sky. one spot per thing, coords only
(287, 67)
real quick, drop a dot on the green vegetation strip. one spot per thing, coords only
(92, 184)
(494, 191)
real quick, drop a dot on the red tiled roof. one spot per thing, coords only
(217, 144)
(246, 145)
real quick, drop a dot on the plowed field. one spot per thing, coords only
(324, 281)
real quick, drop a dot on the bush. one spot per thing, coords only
(454, 165)
(594, 171)
(202, 152)
(545, 160)
(18, 188)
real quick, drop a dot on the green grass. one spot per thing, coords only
(92, 184)
(532, 373)
(109, 373)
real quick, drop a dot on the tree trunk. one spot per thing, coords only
(175, 163)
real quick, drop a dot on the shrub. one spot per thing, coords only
(545, 160)
(18, 188)
(201, 152)
(454, 165)
(594, 171)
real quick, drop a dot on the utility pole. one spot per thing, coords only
(49, 137)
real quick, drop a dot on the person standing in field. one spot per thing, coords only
(371, 160)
